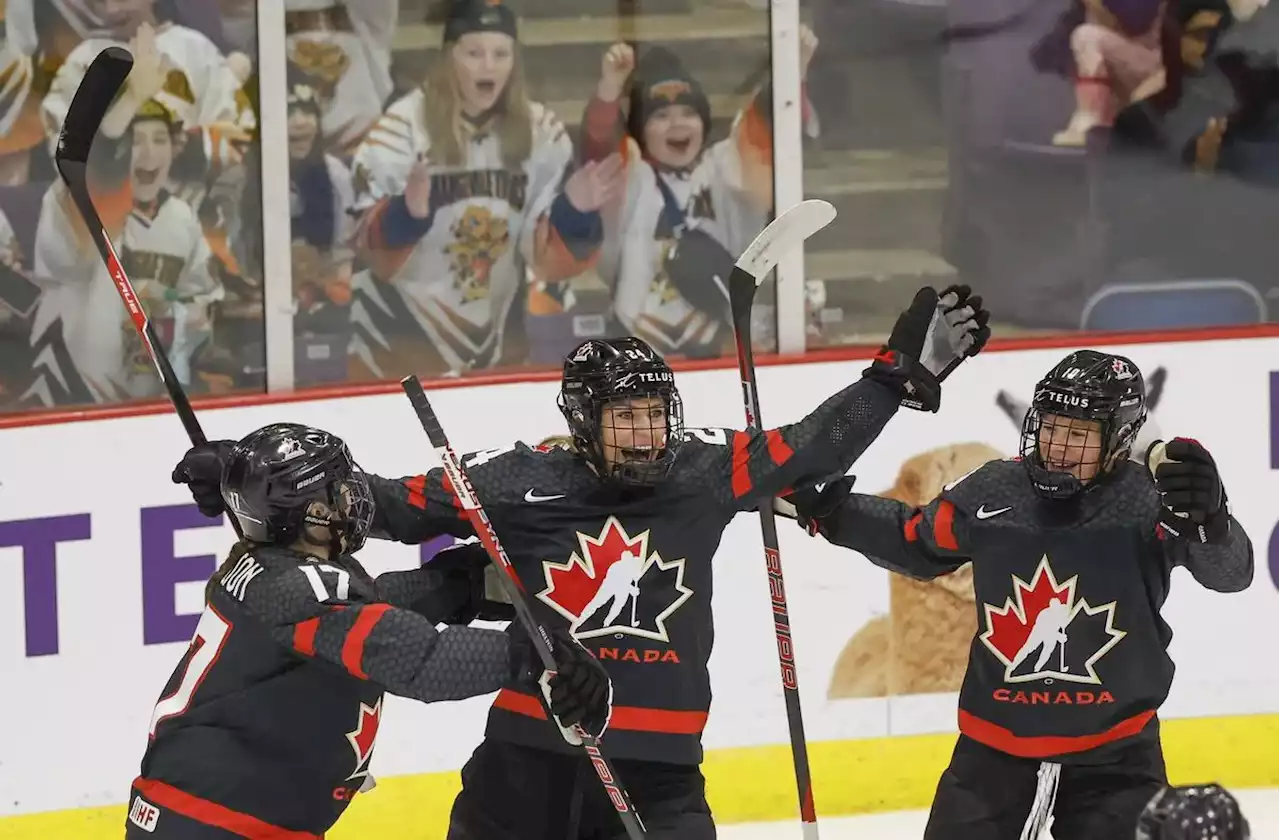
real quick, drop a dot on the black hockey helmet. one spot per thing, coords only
(603, 371)
(272, 477)
(1085, 386)
(1194, 812)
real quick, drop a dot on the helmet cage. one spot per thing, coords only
(273, 505)
(1118, 428)
(584, 400)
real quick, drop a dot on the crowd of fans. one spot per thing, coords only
(449, 221)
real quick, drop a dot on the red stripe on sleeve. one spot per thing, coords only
(943, 534)
(778, 449)
(304, 636)
(417, 487)
(740, 476)
(353, 646)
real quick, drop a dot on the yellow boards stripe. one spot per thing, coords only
(750, 784)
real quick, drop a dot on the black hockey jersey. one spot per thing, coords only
(268, 723)
(1071, 651)
(629, 569)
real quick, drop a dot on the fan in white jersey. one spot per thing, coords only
(84, 345)
(463, 192)
(178, 66)
(710, 201)
(38, 37)
(346, 46)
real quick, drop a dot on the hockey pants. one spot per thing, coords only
(511, 792)
(985, 794)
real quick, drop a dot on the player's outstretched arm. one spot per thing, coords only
(1196, 528)
(310, 608)
(922, 543)
(449, 589)
(410, 510)
(929, 340)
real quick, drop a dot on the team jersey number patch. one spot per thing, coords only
(1044, 632)
(614, 584)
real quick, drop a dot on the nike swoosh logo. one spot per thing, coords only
(983, 513)
(533, 498)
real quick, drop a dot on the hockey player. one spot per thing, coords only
(1193, 812)
(1072, 734)
(637, 483)
(462, 190)
(267, 726)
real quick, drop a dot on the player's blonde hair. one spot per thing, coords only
(442, 113)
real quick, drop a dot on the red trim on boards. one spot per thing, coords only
(514, 376)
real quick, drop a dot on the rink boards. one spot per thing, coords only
(104, 560)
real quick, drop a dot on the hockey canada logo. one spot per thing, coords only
(1045, 632)
(613, 584)
(363, 737)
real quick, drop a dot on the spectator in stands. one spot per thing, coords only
(346, 47)
(463, 192)
(1238, 137)
(38, 37)
(709, 199)
(1123, 51)
(320, 197)
(84, 345)
(178, 66)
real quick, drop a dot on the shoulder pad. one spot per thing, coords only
(993, 482)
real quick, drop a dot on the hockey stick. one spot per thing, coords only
(787, 231)
(97, 91)
(514, 591)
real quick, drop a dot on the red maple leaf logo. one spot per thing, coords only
(571, 586)
(363, 736)
(1013, 632)
(583, 587)
(1009, 627)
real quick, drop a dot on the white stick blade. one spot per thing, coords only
(788, 231)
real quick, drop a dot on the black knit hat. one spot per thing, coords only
(661, 79)
(478, 16)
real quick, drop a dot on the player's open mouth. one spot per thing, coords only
(648, 454)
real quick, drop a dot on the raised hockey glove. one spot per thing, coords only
(201, 470)
(1193, 812)
(1193, 503)
(929, 340)
(810, 506)
(462, 594)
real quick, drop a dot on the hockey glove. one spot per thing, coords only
(201, 470)
(810, 506)
(460, 598)
(1193, 503)
(579, 692)
(929, 340)
(1193, 812)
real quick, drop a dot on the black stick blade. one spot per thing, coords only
(97, 91)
